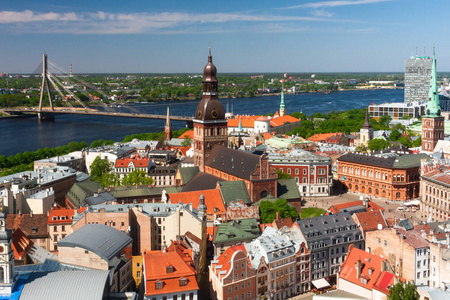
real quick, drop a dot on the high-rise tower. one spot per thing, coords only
(210, 125)
(282, 106)
(417, 78)
(432, 121)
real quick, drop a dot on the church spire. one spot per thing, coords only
(433, 108)
(366, 124)
(168, 126)
(282, 106)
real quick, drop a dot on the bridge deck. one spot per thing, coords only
(98, 113)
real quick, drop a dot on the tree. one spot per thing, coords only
(417, 142)
(282, 175)
(378, 144)
(268, 210)
(405, 141)
(403, 291)
(395, 135)
(361, 148)
(100, 167)
(137, 177)
(186, 142)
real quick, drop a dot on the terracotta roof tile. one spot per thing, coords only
(278, 121)
(338, 207)
(33, 226)
(62, 215)
(224, 260)
(155, 266)
(246, 121)
(370, 220)
(188, 134)
(21, 244)
(137, 161)
(213, 200)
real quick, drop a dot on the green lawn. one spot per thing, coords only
(311, 212)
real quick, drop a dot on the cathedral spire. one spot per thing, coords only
(433, 108)
(282, 106)
(366, 124)
(168, 126)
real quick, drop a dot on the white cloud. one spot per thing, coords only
(165, 22)
(321, 13)
(337, 3)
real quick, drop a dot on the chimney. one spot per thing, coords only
(190, 206)
(358, 268)
(383, 265)
(31, 213)
(278, 215)
(20, 213)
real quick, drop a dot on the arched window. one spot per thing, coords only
(397, 195)
(350, 186)
(376, 192)
(370, 190)
(356, 187)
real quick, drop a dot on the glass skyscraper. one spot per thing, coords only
(417, 78)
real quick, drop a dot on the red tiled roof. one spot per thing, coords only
(211, 232)
(368, 261)
(224, 260)
(278, 121)
(246, 121)
(242, 212)
(213, 199)
(413, 238)
(283, 222)
(62, 215)
(320, 137)
(188, 134)
(371, 220)
(372, 206)
(33, 226)
(20, 244)
(137, 161)
(267, 136)
(155, 266)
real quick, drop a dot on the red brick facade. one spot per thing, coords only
(432, 132)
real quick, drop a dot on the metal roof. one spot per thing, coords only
(65, 285)
(103, 240)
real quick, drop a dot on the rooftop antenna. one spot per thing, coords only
(417, 52)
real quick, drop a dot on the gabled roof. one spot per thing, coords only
(142, 191)
(354, 206)
(34, 226)
(201, 181)
(138, 162)
(234, 162)
(222, 265)
(80, 190)
(21, 244)
(246, 121)
(287, 189)
(187, 173)
(62, 215)
(318, 137)
(371, 268)
(188, 134)
(391, 161)
(234, 191)
(278, 121)
(371, 220)
(155, 268)
(103, 240)
(213, 200)
(245, 229)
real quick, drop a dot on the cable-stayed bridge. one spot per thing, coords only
(74, 105)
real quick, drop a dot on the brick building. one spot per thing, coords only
(231, 275)
(435, 185)
(386, 175)
(311, 172)
(126, 165)
(232, 165)
(59, 223)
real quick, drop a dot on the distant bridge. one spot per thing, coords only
(92, 112)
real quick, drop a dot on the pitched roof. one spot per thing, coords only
(142, 191)
(138, 162)
(189, 134)
(103, 240)
(62, 215)
(34, 226)
(80, 190)
(354, 206)
(213, 200)
(155, 268)
(237, 211)
(234, 162)
(280, 223)
(20, 244)
(246, 121)
(371, 268)
(234, 191)
(318, 137)
(278, 121)
(413, 238)
(386, 281)
(65, 285)
(222, 265)
(187, 173)
(201, 181)
(287, 189)
(387, 161)
(371, 220)
(239, 230)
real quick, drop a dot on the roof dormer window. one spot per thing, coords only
(169, 269)
(183, 281)
(158, 285)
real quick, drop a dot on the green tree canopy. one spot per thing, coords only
(268, 210)
(137, 177)
(282, 175)
(403, 291)
(395, 135)
(99, 167)
(378, 144)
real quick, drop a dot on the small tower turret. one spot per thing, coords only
(282, 106)
(168, 126)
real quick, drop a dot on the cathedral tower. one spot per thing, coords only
(168, 127)
(432, 121)
(210, 125)
(282, 106)
(366, 132)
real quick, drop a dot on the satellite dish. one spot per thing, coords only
(380, 226)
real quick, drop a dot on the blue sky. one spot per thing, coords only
(246, 36)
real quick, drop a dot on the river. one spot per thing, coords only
(30, 134)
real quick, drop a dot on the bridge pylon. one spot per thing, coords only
(45, 85)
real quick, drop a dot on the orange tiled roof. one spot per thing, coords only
(137, 161)
(320, 137)
(246, 121)
(211, 232)
(283, 222)
(213, 199)
(20, 244)
(188, 134)
(278, 121)
(62, 215)
(385, 281)
(371, 220)
(372, 206)
(267, 136)
(369, 262)
(224, 260)
(155, 266)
